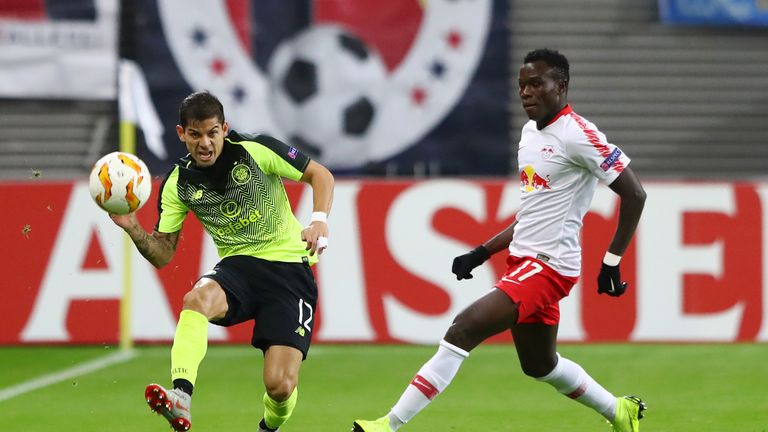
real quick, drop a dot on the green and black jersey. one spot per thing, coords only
(240, 199)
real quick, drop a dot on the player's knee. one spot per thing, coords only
(534, 371)
(206, 299)
(280, 388)
(538, 368)
(199, 300)
(193, 300)
(462, 334)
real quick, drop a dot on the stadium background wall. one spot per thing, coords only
(696, 266)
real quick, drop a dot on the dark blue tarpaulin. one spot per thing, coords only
(436, 100)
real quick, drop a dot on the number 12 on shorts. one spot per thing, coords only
(304, 305)
(525, 270)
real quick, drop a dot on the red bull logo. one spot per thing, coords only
(531, 181)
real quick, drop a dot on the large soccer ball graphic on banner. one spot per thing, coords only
(120, 183)
(325, 85)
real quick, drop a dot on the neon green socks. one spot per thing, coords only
(277, 413)
(189, 345)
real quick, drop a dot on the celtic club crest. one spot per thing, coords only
(241, 174)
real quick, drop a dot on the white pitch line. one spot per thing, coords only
(79, 370)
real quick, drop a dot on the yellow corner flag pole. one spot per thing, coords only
(126, 108)
(135, 111)
(127, 145)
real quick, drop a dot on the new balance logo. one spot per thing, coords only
(300, 331)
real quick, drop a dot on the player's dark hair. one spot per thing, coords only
(553, 59)
(200, 106)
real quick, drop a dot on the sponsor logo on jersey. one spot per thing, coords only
(611, 159)
(197, 195)
(531, 181)
(293, 152)
(547, 152)
(237, 225)
(230, 208)
(241, 174)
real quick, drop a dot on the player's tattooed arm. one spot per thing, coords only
(158, 248)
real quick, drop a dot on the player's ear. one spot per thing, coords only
(562, 86)
(180, 132)
(225, 127)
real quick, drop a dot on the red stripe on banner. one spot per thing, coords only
(735, 282)
(32, 221)
(23, 9)
(424, 386)
(58, 255)
(240, 15)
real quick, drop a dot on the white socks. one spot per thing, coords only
(573, 381)
(567, 378)
(431, 379)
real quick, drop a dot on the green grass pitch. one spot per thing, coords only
(702, 388)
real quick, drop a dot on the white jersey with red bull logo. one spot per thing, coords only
(560, 166)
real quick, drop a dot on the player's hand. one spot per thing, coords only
(609, 281)
(464, 264)
(316, 236)
(125, 222)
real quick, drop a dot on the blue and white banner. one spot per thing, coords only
(715, 12)
(362, 86)
(58, 49)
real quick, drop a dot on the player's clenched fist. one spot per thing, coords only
(609, 281)
(464, 264)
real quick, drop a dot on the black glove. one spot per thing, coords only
(464, 264)
(609, 281)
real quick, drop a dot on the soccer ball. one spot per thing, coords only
(120, 183)
(324, 87)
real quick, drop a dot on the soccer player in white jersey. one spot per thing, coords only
(561, 156)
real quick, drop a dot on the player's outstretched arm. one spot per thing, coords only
(321, 180)
(158, 248)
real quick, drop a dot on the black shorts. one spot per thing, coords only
(280, 296)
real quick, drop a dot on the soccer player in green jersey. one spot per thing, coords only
(233, 183)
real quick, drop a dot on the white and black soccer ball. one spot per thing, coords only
(325, 85)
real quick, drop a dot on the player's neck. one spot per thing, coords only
(552, 117)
